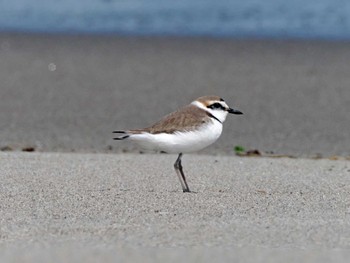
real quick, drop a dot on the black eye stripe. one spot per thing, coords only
(216, 105)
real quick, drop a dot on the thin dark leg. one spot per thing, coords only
(180, 174)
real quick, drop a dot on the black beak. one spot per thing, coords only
(230, 110)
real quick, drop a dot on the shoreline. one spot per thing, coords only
(106, 35)
(245, 154)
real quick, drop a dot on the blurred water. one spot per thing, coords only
(236, 18)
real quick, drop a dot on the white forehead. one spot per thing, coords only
(204, 104)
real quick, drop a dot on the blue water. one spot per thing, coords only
(328, 19)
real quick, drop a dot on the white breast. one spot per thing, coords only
(180, 142)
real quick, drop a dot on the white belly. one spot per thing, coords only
(180, 142)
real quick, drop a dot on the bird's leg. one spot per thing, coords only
(180, 174)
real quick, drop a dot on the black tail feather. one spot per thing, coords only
(122, 137)
(119, 132)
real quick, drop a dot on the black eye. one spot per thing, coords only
(215, 105)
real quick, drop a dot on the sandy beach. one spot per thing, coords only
(111, 204)
(82, 197)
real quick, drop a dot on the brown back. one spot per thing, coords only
(188, 118)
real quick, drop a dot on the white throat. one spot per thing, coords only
(219, 114)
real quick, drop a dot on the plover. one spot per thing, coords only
(189, 129)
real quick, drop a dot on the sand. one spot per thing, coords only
(82, 197)
(117, 203)
(68, 93)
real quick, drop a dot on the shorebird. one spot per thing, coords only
(189, 129)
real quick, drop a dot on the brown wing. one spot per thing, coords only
(188, 118)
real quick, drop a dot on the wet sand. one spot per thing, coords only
(68, 93)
